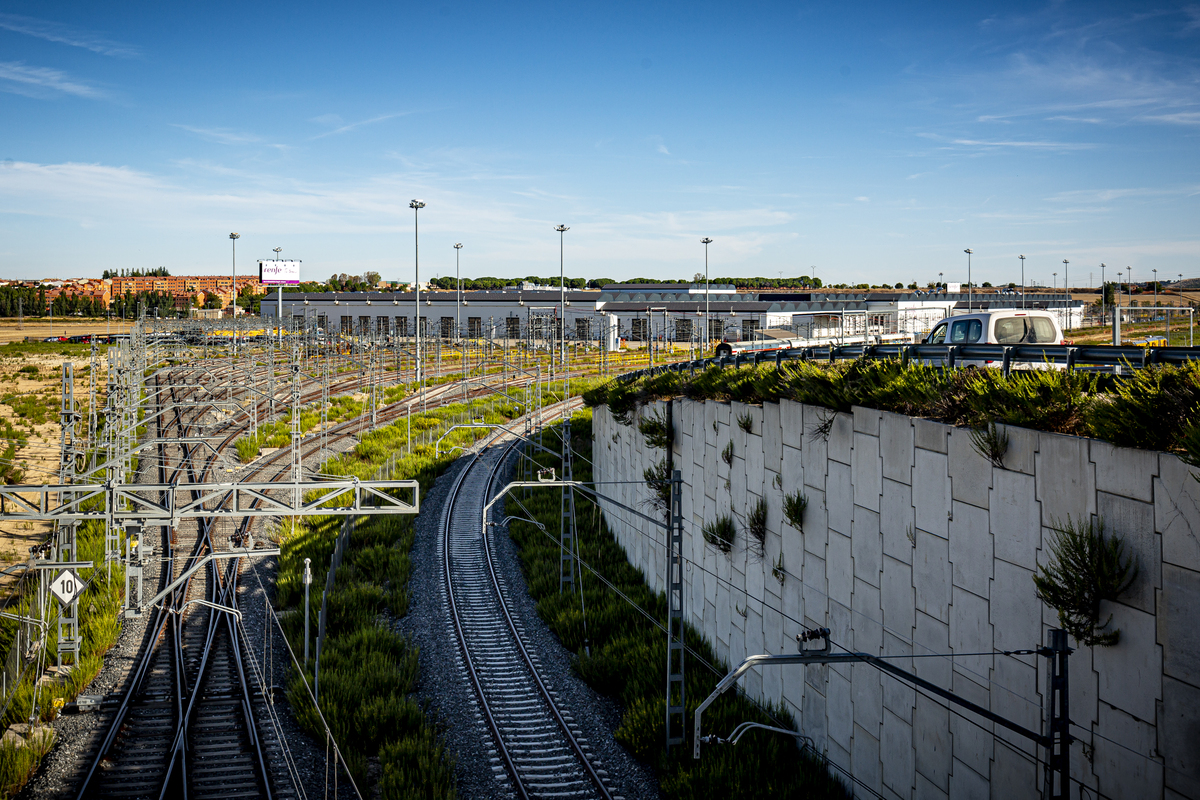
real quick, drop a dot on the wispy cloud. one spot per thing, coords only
(1182, 118)
(19, 78)
(63, 34)
(354, 125)
(1020, 144)
(221, 135)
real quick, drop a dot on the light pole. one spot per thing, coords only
(706, 241)
(1022, 257)
(562, 300)
(279, 290)
(416, 206)
(939, 283)
(1103, 294)
(1155, 290)
(233, 237)
(1067, 290)
(458, 277)
(970, 288)
(1129, 283)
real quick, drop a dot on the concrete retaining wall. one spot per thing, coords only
(915, 544)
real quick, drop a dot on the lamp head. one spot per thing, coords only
(968, 251)
(458, 245)
(706, 240)
(1065, 261)
(277, 250)
(416, 204)
(1021, 257)
(235, 236)
(562, 229)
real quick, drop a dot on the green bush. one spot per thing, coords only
(1088, 567)
(720, 533)
(1155, 408)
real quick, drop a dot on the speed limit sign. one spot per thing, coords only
(66, 587)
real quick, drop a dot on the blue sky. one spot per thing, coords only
(871, 141)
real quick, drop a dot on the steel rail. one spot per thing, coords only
(494, 724)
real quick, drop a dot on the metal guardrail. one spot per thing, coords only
(1001, 356)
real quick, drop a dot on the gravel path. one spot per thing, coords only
(428, 625)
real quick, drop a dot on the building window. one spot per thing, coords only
(583, 328)
(323, 322)
(512, 327)
(364, 326)
(381, 326)
(347, 326)
(475, 327)
(749, 328)
(683, 330)
(402, 326)
(716, 328)
(638, 329)
(447, 327)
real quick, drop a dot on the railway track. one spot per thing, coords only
(191, 723)
(541, 750)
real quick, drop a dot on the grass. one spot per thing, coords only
(627, 657)
(368, 670)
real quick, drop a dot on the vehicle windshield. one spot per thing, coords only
(966, 331)
(938, 336)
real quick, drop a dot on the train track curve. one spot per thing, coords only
(542, 751)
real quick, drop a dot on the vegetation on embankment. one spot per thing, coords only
(1156, 408)
(628, 653)
(368, 669)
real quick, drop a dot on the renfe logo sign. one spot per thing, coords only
(278, 271)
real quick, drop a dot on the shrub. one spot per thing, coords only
(654, 427)
(991, 443)
(794, 506)
(727, 453)
(658, 479)
(756, 525)
(720, 533)
(1088, 567)
(247, 449)
(746, 422)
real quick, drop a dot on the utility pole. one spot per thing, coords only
(416, 206)
(706, 241)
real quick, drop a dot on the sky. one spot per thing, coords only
(860, 142)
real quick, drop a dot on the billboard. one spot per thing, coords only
(275, 271)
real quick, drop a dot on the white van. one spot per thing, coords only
(1005, 326)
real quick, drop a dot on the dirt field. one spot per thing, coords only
(30, 428)
(40, 328)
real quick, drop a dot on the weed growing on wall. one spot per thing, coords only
(756, 526)
(654, 428)
(720, 532)
(746, 422)
(727, 453)
(991, 443)
(1087, 567)
(628, 652)
(658, 480)
(794, 507)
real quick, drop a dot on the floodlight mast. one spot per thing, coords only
(562, 301)
(458, 278)
(416, 206)
(706, 241)
(1022, 280)
(233, 237)
(970, 288)
(279, 293)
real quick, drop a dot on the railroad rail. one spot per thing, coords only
(543, 752)
(191, 721)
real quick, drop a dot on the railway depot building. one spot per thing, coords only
(636, 313)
